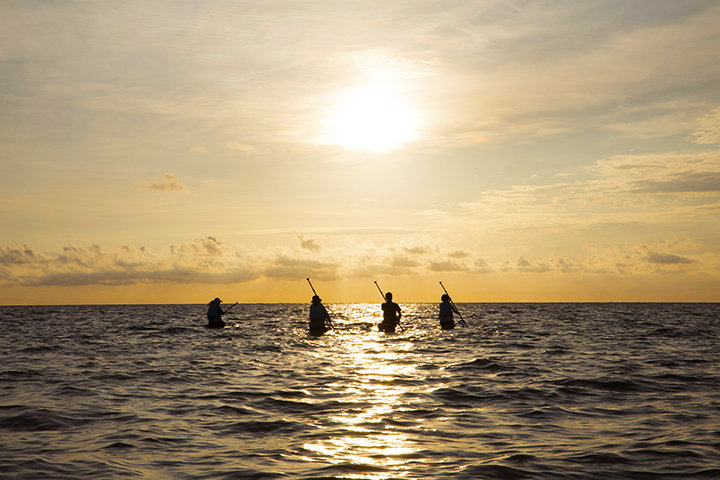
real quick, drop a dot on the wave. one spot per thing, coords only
(485, 364)
(566, 391)
(25, 419)
(266, 427)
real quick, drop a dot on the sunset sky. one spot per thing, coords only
(174, 151)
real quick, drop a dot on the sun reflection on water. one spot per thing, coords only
(365, 437)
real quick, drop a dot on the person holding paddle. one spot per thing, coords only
(391, 315)
(320, 321)
(318, 316)
(447, 307)
(446, 313)
(215, 313)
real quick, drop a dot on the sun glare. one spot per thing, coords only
(371, 119)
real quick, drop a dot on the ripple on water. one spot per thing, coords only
(555, 391)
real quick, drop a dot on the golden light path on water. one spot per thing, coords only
(376, 363)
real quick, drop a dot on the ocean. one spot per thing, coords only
(526, 391)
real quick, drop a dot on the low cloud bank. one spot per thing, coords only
(209, 260)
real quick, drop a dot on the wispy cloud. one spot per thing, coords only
(708, 131)
(668, 258)
(169, 183)
(681, 183)
(646, 188)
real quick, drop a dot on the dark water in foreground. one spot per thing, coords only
(539, 391)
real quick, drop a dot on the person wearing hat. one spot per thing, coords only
(318, 316)
(214, 314)
(446, 313)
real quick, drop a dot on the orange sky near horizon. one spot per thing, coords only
(525, 151)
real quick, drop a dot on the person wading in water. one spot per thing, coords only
(391, 315)
(446, 313)
(318, 316)
(214, 314)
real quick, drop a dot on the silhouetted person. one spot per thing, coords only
(446, 313)
(318, 316)
(391, 315)
(214, 314)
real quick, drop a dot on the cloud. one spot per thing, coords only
(524, 265)
(210, 261)
(652, 122)
(134, 276)
(556, 265)
(81, 279)
(308, 244)
(205, 260)
(202, 260)
(708, 132)
(668, 258)
(654, 189)
(446, 266)
(622, 259)
(202, 247)
(169, 183)
(372, 270)
(417, 250)
(557, 73)
(18, 255)
(401, 261)
(481, 266)
(288, 268)
(685, 182)
(627, 170)
(241, 147)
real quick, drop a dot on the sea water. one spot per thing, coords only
(537, 391)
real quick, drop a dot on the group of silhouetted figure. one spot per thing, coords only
(320, 321)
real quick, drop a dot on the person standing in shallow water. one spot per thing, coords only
(214, 314)
(318, 316)
(446, 313)
(391, 315)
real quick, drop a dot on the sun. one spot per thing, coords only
(370, 118)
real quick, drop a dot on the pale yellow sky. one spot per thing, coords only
(169, 152)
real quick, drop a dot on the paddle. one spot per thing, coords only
(384, 298)
(315, 293)
(454, 306)
(228, 309)
(223, 311)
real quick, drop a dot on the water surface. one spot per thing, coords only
(556, 391)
